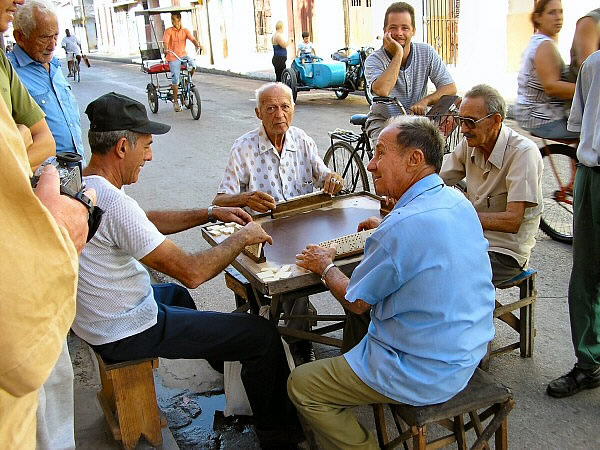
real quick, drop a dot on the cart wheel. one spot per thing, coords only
(368, 93)
(289, 78)
(152, 98)
(341, 94)
(195, 103)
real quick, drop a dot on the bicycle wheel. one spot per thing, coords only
(152, 97)
(368, 93)
(76, 71)
(342, 158)
(195, 105)
(557, 185)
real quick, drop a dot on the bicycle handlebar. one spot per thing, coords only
(390, 101)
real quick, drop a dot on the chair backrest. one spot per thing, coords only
(150, 54)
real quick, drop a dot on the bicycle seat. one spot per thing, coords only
(159, 68)
(572, 141)
(358, 119)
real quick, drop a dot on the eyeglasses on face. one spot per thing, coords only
(472, 123)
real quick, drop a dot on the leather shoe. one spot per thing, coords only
(303, 352)
(573, 382)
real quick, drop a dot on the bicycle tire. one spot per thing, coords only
(77, 72)
(368, 94)
(152, 97)
(195, 103)
(341, 158)
(557, 186)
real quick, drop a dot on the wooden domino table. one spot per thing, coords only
(294, 225)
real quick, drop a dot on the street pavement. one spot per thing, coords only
(186, 170)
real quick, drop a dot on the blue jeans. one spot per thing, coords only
(182, 332)
(175, 67)
(554, 130)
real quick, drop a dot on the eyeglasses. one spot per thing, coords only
(471, 123)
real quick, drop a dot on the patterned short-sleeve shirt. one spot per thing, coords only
(256, 165)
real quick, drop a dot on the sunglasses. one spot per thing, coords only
(471, 123)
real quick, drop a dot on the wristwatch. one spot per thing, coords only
(324, 274)
(211, 218)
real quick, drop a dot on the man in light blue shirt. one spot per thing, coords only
(426, 278)
(33, 59)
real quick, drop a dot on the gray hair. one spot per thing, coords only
(25, 20)
(422, 133)
(494, 102)
(102, 141)
(265, 87)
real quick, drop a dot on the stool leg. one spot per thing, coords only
(502, 436)
(137, 408)
(527, 323)
(379, 415)
(420, 438)
(459, 432)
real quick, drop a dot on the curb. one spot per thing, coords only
(130, 60)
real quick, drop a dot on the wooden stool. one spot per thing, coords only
(482, 392)
(128, 400)
(524, 324)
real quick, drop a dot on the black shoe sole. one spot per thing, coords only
(556, 394)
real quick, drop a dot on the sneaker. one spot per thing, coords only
(573, 382)
(176, 107)
(303, 352)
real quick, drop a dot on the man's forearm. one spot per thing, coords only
(169, 222)
(337, 283)
(230, 200)
(448, 89)
(387, 80)
(505, 222)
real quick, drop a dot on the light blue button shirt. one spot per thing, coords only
(53, 93)
(427, 275)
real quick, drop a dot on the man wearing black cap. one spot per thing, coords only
(123, 317)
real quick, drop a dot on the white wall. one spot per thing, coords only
(328, 27)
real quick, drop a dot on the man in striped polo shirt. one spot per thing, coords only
(401, 69)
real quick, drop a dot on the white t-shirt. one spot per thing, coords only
(114, 294)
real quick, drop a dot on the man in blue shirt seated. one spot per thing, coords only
(427, 280)
(36, 30)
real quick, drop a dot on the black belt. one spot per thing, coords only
(595, 168)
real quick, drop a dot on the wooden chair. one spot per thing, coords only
(128, 401)
(524, 325)
(482, 393)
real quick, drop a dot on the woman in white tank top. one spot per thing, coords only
(542, 95)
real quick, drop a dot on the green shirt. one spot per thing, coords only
(23, 107)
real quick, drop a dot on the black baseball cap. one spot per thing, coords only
(112, 112)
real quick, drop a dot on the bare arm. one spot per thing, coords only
(547, 66)
(279, 40)
(420, 107)
(316, 259)
(169, 222)
(586, 38)
(383, 85)
(257, 200)
(43, 145)
(193, 269)
(508, 221)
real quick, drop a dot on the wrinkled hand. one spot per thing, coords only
(315, 258)
(236, 215)
(254, 234)
(369, 224)
(392, 46)
(68, 212)
(259, 201)
(334, 183)
(419, 108)
(25, 135)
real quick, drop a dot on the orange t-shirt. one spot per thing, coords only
(174, 40)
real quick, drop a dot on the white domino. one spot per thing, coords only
(350, 243)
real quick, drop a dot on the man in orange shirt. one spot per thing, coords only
(174, 40)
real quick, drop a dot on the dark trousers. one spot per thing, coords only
(584, 286)
(504, 267)
(182, 332)
(279, 65)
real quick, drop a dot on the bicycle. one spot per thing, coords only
(348, 161)
(558, 178)
(188, 92)
(75, 69)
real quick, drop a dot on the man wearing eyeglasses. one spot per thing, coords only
(36, 32)
(503, 172)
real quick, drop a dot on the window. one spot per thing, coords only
(262, 23)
